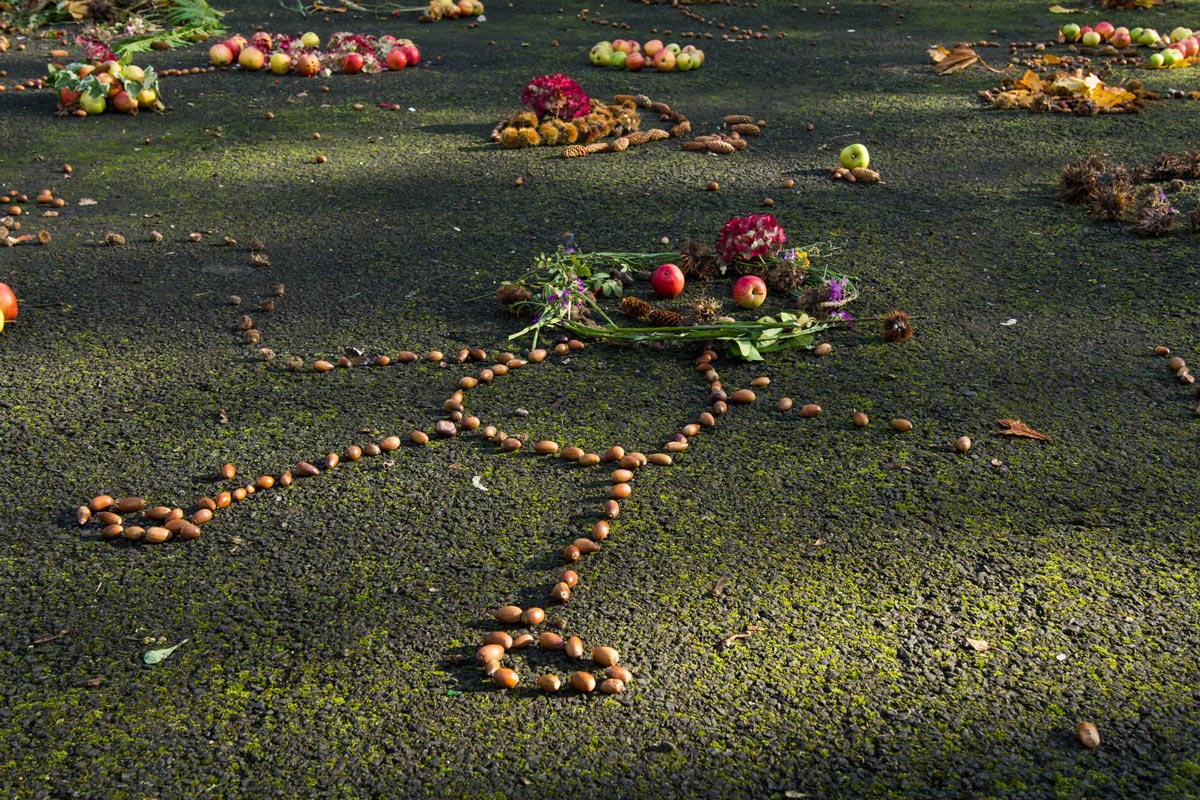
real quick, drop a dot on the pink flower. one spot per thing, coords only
(749, 237)
(555, 96)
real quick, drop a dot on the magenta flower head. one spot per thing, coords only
(555, 96)
(749, 237)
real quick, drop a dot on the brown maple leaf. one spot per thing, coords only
(1014, 427)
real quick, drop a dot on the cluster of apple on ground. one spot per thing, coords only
(629, 54)
(1176, 48)
(260, 51)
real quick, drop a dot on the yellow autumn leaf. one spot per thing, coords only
(1051, 59)
(1030, 81)
(1109, 96)
(1061, 10)
(937, 53)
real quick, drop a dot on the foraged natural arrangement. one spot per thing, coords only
(90, 88)
(629, 54)
(1142, 198)
(565, 288)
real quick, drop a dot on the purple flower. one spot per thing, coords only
(844, 316)
(837, 290)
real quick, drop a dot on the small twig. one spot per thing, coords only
(202, 294)
(58, 635)
(351, 297)
(749, 631)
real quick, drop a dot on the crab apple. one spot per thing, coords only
(617, 60)
(635, 62)
(1191, 46)
(1105, 29)
(1120, 38)
(147, 98)
(308, 64)
(674, 48)
(465, 8)
(281, 63)
(124, 102)
(352, 63)
(310, 40)
(664, 60)
(68, 97)
(219, 55)
(1155, 60)
(684, 62)
(8, 303)
(1147, 37)
(1180, 33)
(1071, 32)
(623, 45)
(251, 58)
(1092, 39)
(600, 55)
(667, 280)
(652, 47)
(749, 291)
(396, 59)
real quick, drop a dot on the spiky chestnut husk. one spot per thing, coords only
(509, 139)
(706, 310)
(897, 327)
(1176, 185)
(1167, 166)
(1112, 201)
(1077, 181)
(510, 295)
(699, 260)
(1154, 219)
(635, 307)
(786, 277)
(662, 318)
(549, 133)
(528, 137)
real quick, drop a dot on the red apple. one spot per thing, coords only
(8, 303)
(667, 280)
(635, 61)
(749, 291)
(652, 47)
(1120, 38)
(352, 63)
(124, 102)
(664, 60)
(411, 53)
(1105, 29)
(396, 58)
(1191, 46)
(235, 44)
(68, 97)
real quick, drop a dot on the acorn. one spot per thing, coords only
(1089, 737)
(583, 681)
(574, 647)
(962, 444)
(505, 678)
(860, 419)
(605, 656)
(551, 641)
(902, 425)
(561, 592)
(508, 615)
(549, 683)
(533, 616)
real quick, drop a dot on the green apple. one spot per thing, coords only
(1180, 33)
(684, 62)
(1148, 37)
(1092, 39)
(310, 39)
(1156, 60)
(1070, 32)
(281, 63)
(1170, 56)
(674, 48)
(855, 155)
(1135, 34)
(601, 54)
(617, 59)
(93, 104)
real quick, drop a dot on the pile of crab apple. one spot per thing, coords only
(631, 55)
(749, 291)
(1175, 47)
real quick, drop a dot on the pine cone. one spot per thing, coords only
(660, 108)
(619, 145)
(662, 318)
(694, 144)
(682, 129)
(639, 137)
(657, 134)
(864, 175)
(723, 148)
(746, 129)
(575, 151)
(635, 307)
(738, 119)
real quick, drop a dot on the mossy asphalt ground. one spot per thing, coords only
(327, 623)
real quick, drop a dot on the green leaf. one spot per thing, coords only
(155, 656)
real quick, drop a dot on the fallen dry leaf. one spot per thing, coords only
(1014, 427)
(978, 645)
(962, 56)
(1061, 10)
